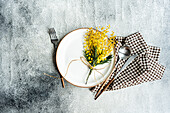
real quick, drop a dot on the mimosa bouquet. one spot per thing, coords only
(98, 47)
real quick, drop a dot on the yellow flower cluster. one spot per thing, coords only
(98, 39)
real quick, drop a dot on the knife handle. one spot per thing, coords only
(104, 88)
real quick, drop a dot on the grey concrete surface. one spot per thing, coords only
(26, 53)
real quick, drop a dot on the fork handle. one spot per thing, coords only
(62, 79)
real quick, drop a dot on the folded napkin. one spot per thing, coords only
(143, 68)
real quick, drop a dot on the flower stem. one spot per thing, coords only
(88, 76)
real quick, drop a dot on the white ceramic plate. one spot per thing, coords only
(70, 48)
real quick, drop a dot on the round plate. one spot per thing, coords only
(70, 48)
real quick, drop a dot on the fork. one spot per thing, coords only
(54, 40)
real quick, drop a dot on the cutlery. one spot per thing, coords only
(123, 53)
(54, 40)
(126, 64)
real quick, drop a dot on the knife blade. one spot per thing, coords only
(131, 58)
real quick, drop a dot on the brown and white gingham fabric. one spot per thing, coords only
(143, 68)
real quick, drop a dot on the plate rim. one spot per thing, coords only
(60, 72)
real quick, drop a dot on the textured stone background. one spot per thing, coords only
(26, 53)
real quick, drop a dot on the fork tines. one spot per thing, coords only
(52, 34)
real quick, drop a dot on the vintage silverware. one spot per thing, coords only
(131, 58)
(54, 40)
(53, 36)
(123, 53)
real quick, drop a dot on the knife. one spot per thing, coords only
(125, 65)
(131, 58)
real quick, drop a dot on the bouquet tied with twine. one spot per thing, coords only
(98, 47)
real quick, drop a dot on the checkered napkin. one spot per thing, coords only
(143, 68)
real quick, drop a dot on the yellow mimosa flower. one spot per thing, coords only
(98, 47)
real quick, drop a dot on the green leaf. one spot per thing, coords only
(85, 55)
(95, 53)
(108, 58)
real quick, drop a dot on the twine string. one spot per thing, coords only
(51, 76)
(83, 59)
